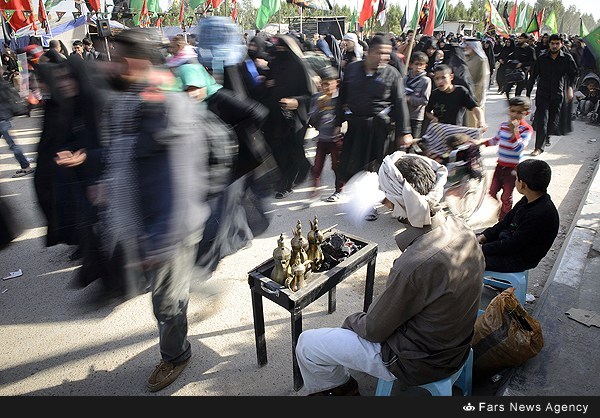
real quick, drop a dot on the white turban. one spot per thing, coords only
(358, 50)
(408, 203)
(475, 45)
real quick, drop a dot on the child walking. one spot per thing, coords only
(329, 140)
(418, 90)
(512, 139)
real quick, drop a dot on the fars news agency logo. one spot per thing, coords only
(468, 407)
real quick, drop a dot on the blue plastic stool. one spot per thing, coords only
(505, 280)
(463, 378)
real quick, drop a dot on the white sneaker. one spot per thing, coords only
(334, 197)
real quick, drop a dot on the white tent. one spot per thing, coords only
(66, 29)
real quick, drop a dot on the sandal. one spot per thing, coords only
(23, 172)
(372, 216)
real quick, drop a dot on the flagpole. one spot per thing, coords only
(412, 41)
(41, 3)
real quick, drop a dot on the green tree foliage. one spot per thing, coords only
(457, 12)
(568, 19)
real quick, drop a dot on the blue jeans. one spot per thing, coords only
(5, 125)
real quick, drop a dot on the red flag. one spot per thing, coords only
(423, 15)
(430, 25)
(234, 11)
(181, 11)
(18, 19)
(540, 17)
(42, 17)
(367, 12)
(216, 3)
(144, 16)
(512, 18)
(94, 4)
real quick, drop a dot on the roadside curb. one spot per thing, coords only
(563, 366)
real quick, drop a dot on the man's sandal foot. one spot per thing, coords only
(23, 172)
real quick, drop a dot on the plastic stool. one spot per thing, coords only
(505, 280)
(463, 378)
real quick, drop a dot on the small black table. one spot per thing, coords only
(316, 286)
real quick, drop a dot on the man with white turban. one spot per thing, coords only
(479, 68)
(419, 329)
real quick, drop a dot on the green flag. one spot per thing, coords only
(440, 12)
(266, 10)
(48, 4)
(353, 21)
(551, 22)
(496, 19)
(135, 6)
(583, 31)
(592, 41)
(415, 16)
(533, 24)
(522, 18)
(196, 3)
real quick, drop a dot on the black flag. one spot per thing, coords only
(403, 20)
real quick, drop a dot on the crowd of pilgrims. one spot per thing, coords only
(259, 103)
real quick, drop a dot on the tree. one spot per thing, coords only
(246, 14)
(458, 12)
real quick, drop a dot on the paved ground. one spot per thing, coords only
(54, 342)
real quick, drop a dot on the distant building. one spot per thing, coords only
(463, 27)
(335, 25)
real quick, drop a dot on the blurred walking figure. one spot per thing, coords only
(418, 90)
(289, 89)
(555, 72)
(372, 101)
(479, 68)
(152, 193)
(330, 140)
(523, 58)
(6, 114)
(72, 109)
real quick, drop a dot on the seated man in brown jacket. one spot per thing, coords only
(419, 329)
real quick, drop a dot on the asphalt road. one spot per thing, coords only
(54, 342)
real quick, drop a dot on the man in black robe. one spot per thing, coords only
(372, 101)
(555, 73)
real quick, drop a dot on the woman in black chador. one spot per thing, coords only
(288, 90)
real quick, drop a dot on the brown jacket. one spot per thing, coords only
(424, 318)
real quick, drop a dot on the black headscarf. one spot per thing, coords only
(261, 48)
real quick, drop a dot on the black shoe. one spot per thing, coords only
(548, 142)
(281, 195)
(350, 388)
